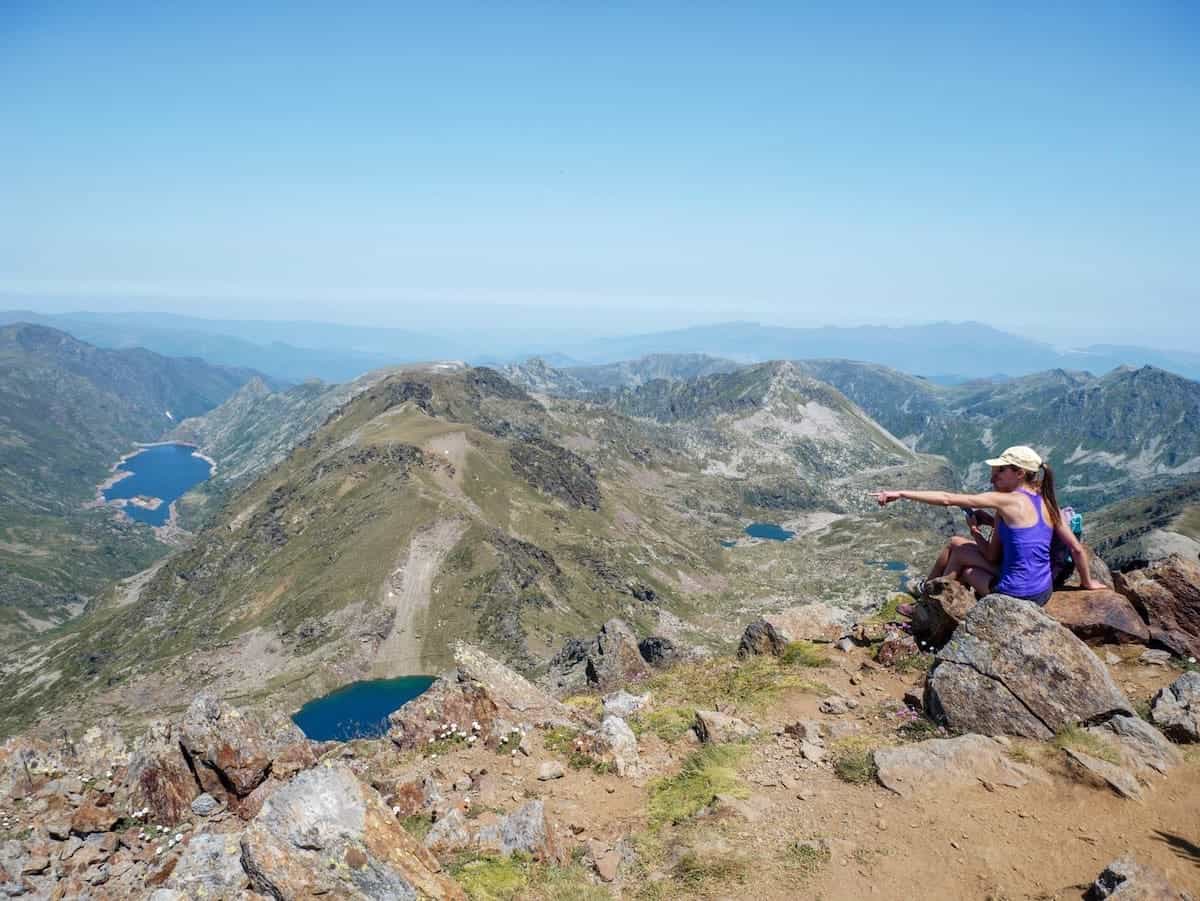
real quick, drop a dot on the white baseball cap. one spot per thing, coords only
(1020, 456)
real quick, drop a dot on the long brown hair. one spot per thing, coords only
(1044, 479)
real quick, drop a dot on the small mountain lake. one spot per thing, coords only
(162, 472)
(358, 710)
(895, 566)
(769, 531)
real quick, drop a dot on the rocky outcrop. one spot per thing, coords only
(159, 777)
(1127, 880)
(772, 633)
(210, 867)
(232, 754)
(713, 727)
(609, 661)
(526, 830)
(1142, 749)
(1167, 595)
(480, 691)
(1010, 669)
(1100, 615)
(327, 833)
(1176, 708)
(942, 763)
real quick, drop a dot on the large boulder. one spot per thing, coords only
(773, 632)
(1167, 595)
(526, 831)
(481, 690)
(939, 763)
(326, 833)
(937, 613)
(1176, 708)
(210, 867)
(1100, 615)
(1011, 669)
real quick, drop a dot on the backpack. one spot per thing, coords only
(1061, 563)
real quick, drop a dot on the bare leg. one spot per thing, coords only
(943, 560)
(965, 556)
(979, 579)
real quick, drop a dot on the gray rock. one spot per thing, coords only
(940, 763)
(713, 727)
(1127, 880)
(610, 660)
(1011, 669)
(448, 834)
(1143, 748)
(837, 705)
(210, 867)
(1155, 657)
(524, 830)
(1119, 779)
(623, 704)
(327, 815)
(205, 805)
(550, 770)
(622, 744)
(808, 622)
(1176, 708)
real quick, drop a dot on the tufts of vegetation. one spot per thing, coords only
(889, 612)
(490, 877)
(709, 772)
(808, 857)
(417, 825)
(1077, 739)
(668, 723)
(804, 653)
(854, 759)
(694, 870)
(591, 704)
(748, 684)
(914, 663)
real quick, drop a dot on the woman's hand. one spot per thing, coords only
(885, 497)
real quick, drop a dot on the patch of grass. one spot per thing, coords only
(920, 729)
(588, 703)
(490, 877)
(693, 870)
(709, 772)
(1142, 708)
(560, 739)
(417, 825)
(749, 684)
(804, 653)
(668, 723)
(808, 857)
(567, 883)
(914, 663)
(853, 759)
(1078, 739)
(889, 613)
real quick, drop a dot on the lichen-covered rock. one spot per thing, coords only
(1100, 615)
(1142, 748)
(525, 830)
(1167, 596)
(622, 745)
(448, 834)
(713, 727)
(210, 867)
(1176, 708)
(772, 633)
(1010, 669)
(940, 763)
(326, 833)
(158, 776)
(623, 704)
(616, 660)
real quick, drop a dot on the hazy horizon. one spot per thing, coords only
(612, 170)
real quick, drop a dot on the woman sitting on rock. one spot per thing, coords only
(1016, 559)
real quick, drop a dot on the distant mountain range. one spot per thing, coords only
(297, 350)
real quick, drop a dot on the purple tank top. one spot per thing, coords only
(1025, 566)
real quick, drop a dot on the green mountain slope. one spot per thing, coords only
(440, 504)
(1130, 532)
(67, 412)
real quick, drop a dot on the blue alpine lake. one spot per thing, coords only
(163, 471)
(358, 710)
(769, 531)
(895, 566)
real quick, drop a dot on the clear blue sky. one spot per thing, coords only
(633, 165)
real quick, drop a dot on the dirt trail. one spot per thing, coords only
(407, 591)
(452, 448)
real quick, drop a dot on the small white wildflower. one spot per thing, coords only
(432, 739)
(178, 837)
(159, 849)
(475, 727)
(396, 810)
(1191, 660)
